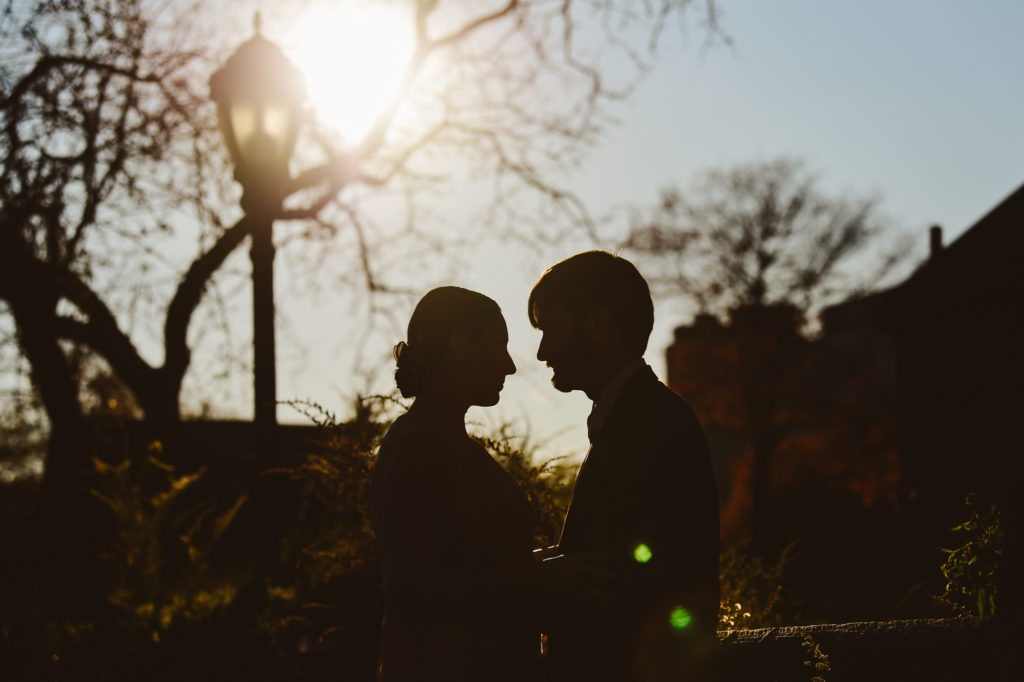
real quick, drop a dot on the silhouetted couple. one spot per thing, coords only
(631, 590)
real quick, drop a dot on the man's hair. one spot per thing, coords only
(597, 279)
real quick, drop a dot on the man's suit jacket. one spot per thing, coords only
(646, 496)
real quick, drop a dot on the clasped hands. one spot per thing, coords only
(581, 579)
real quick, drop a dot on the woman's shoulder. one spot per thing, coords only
(411, 447)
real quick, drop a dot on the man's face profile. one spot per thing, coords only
(564, 348)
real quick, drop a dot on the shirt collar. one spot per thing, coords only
(603, 405)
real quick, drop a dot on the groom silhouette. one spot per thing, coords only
(645, 494)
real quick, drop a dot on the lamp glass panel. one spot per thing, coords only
(243, 123)
(276, 122)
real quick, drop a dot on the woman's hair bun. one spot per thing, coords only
(411, 372)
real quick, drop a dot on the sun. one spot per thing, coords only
(353, 54)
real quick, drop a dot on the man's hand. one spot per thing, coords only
(577, 580)
(546, 553)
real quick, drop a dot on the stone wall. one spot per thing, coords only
(903, 650)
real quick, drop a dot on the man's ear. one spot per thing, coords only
(599, 324)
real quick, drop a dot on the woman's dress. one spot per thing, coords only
(449, 523)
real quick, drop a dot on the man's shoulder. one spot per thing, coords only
(647, 398)
(650, 416)
(653, 434)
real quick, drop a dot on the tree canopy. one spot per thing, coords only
(763, 233)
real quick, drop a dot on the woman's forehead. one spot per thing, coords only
(496, 328)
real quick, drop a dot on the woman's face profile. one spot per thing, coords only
(485, 363)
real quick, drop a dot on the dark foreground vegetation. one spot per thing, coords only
(196, 560)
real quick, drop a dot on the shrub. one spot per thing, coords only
(754, 590)
(971, 570)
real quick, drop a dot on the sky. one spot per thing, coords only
(918, 103)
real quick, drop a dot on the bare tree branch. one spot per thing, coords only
(188, 294)
(755, 235)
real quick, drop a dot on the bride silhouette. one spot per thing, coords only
(464, 596)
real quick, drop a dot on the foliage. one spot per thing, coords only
(183, 575)
(160, 559)
(330, 547)
(154, 593)
(222, 564)
(817, 659)
(972, 569)
(754, 592)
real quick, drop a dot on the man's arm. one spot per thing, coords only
(667, 520)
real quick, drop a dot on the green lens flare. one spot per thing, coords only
(679, 618)
(642, 553)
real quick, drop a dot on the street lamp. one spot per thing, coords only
(259, 95)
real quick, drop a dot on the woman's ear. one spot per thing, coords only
(459, 344)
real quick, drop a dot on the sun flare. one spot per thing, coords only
(353, 55)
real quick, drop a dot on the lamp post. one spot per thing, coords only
(259, 95)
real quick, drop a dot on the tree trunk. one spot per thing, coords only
(761, 507)
(34, 313)
(161, 407)
(67, 513)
